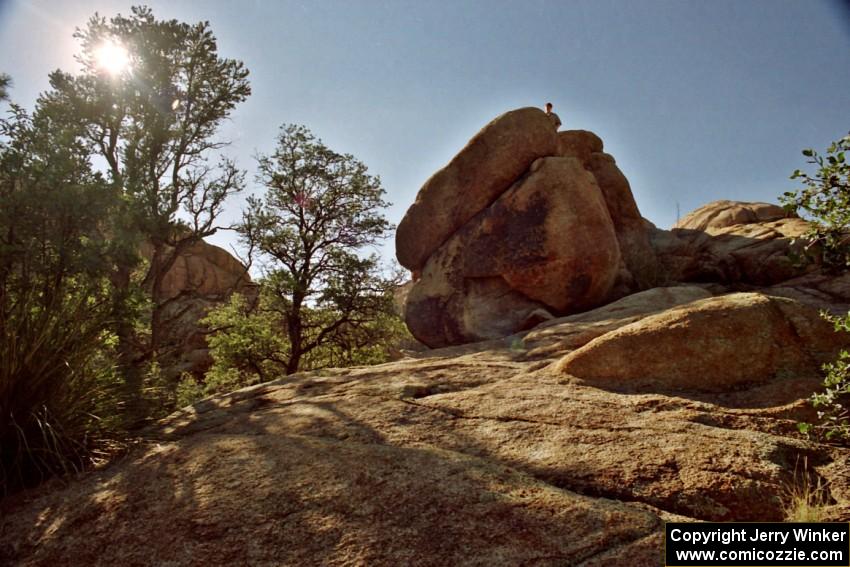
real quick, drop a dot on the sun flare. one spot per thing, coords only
(112, 57)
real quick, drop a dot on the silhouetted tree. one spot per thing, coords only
(150, 100)
(55, 300)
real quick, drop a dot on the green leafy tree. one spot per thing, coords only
(246, 344)
(149, 101)
(57, 395)
(249, 343)
(825, 200)
(320, 212)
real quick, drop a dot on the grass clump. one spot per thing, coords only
(806, 497)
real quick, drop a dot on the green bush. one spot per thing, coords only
(189, 391)
(59, 394)
(833, 402)
(247, 345)
(825, 201)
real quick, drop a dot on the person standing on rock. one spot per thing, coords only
(552, 116)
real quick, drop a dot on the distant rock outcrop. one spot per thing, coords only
(523, 225)
(203, 276)
(205, 270)
(721, 214)
(729, 242)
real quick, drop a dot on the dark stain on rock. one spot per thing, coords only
(514, 238)
(429, 321)
(579, 285)
(425, 318)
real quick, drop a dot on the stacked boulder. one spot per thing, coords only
(523, 225)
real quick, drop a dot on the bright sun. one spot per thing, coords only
(112, 57)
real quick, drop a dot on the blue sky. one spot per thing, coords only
(697, 101)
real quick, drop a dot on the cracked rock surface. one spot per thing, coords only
(491, 453)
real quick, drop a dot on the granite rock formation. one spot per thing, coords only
(513, 450)
(489, 164)
(672, 394)
(510, 263)
(203, 276)
(523, 225)
(729, 242)
(500, 244)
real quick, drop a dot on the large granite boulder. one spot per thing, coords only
(574, 331)
(547, 245)
(632, 235)
(580, 144)
(715, 345)
(501, 239)
(639, 259)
